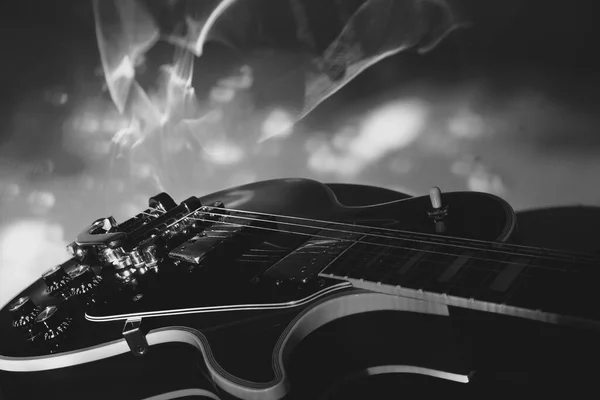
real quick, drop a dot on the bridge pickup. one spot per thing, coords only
(220, 235)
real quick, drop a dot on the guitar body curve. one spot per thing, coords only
(266, 334)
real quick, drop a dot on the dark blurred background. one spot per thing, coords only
(507, 105)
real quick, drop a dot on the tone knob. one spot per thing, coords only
(23, 312)
(51, 324)
(83, 281)
(57, 282)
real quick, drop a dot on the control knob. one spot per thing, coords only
(83, 281)
(57, 282)
(23, 312)
(50, 324)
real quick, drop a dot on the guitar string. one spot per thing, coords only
(448, 289)
(438, 237)
(529, 266)
(398, 247)
(403, 257)
(396, 231)
(387, 237)
(557, 253)
(434, 236)
(379, 236)
(371, 253)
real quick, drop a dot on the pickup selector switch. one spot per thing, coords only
(57, 282)
(51, 324)
(439, 210)
(23, 312)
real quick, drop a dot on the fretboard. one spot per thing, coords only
(534, 283)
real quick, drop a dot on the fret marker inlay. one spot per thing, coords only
(454, 268)
(420, 254)
(509, 274)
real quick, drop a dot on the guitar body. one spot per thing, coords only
(211, 332)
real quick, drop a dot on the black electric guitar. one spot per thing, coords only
(275, 290)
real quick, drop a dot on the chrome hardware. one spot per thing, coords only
(150, 255)
(57, 281)
(194, 250)
(137, 259)
(124, 274)
(76, 251)
(162, 201)
(20, 304)
(137, 245)
(124, 262)
(114, 256)
(83, 280)
(135, 336)
(23, 312)
(98, 233)
(51, 324)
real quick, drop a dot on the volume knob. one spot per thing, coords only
(57, 282)
(50, 324)
(23, 312)
(83, 281)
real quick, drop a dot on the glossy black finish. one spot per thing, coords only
(251, 335)
(57, 281)
(472, 215)
(166, 368)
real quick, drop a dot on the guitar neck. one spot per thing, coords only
(539, 284)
